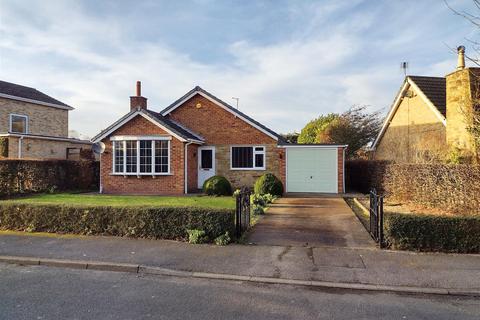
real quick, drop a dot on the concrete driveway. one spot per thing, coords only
(318, 221)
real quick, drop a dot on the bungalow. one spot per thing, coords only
(175, 150)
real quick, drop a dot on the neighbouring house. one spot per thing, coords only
(430, 117)
(34, 125)
(175, 150)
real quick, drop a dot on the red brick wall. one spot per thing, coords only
(192, 178)
(222, 129)
(217, 125)
(171, 184)
(340, 169)
(282, 156)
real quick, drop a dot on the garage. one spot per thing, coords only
(315, 168)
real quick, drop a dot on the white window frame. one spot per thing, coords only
(254, 152)
(21, 116)
(124, 139)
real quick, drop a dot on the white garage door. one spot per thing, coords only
(312, 170)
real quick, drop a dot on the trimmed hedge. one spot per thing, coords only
(217, 186)
(268, 184)
(432, 233)
(142, 222)
(448, 187)
(30, 176)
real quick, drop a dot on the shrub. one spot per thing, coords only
(217, 186)
(142, 222)
(432, 233)
(223, 239)
(447, 187)
(29, 176)
(268, 183)
(236, 193)
(258, 210)
(258, 199)
(197, 236)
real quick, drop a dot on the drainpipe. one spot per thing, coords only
(186, 166)
(20, 147)
(100, 177)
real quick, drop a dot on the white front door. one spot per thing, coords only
(206, 164)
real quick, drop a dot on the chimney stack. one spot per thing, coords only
(138, 102)
(461, 58)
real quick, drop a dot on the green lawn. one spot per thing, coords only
(120, 200)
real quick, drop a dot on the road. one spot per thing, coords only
(35, 292)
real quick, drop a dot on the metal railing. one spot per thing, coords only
(242, 212)
(376, 217)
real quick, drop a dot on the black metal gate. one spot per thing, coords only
(376, 217)
(242, 212)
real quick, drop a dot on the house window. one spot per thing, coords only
(18, 123)
(141, 157)
(145, 156)
(161, 156)
(118, 155)
(245, 158)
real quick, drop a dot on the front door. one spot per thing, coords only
(206, 164)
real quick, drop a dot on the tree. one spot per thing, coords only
(291, 137)
(355, 127)
(310, 132)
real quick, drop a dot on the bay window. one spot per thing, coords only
(247, 158)
(141, 156)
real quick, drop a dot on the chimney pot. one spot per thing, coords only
(461, 58)
(138, 102)
(139, 89)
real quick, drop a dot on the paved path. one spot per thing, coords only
(55, 293)
(332, 264)
(310, 222)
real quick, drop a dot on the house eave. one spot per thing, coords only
(53, 105)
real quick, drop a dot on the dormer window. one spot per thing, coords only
(18, 123)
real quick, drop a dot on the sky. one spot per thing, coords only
(287, 61)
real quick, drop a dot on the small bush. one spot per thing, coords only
(258, 210)
(217, 186)
(268, 183)
(196, 236)
(223, 239)
(432, 233)
(258, 199)
(236, 193)
(141, 222)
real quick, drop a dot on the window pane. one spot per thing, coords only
(131, 156)
(145, 156)
(161, 156)
(119, 152)
(206, 159)
(19, 124)
(259, 160)
(242, 157)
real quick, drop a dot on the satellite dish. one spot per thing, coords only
(98, 147)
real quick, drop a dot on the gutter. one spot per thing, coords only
(32, 136)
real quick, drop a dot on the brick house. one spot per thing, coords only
(34, 125)
(174, 151)
(429, 118)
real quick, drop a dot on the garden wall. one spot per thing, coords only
(452, 187)
(29, 176)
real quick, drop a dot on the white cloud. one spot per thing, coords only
(92, 62)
